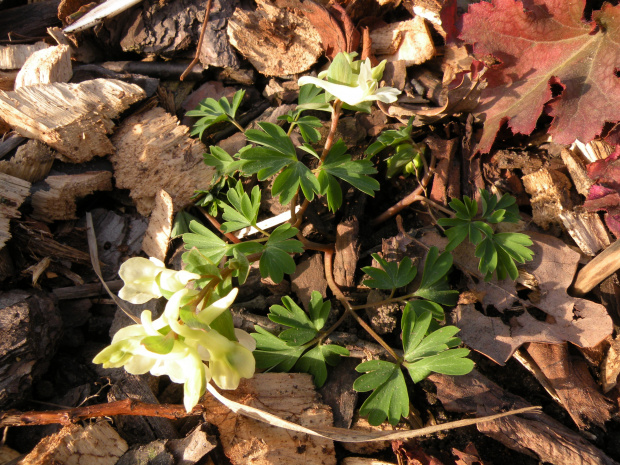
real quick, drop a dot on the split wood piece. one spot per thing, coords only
(570, 379)
(288, 395)
(13, 192)
(30, 329)
(534, 434)
(10, 143)
(550, 192)
(46, 66)
(153, 146)
(7, 79)
(600, 267)
(610, 368)
(275, 40)
(59, 202)
(192, 448)
(14, 56)
(576, 164)
(71, 118)
(38, 242)
(32, 162)
(30, 20)
(586, 229)
(408, 42)
(157, 236)
(169, 29)
(346, 252)
(95, 444)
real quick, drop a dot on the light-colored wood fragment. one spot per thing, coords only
(7, 454)
(71, 118)
(13, 192)
(406, 41)
(594, 150)
(154, 152)
(364, 461)
(576, 165)
(49, 65)
(601, 266)
(290, 396)
(549, 191)
(32, 162)
(94, 444)
(610, 368)
(157, 236)
(586, 229)
(277, 41)
(14, 56)
(59, 202)
(7, 79)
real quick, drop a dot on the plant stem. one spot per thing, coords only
(218, 226)
(234, 121)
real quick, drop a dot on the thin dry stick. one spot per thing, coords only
(199, 46)
(413, 197)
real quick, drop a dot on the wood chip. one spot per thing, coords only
(550, 191)
(13, 192)
(276, 41)
(59, 202)
(288, 395)
(72, 118)
(576, 164)
(31, 162)
(95, 444)
(406, 41)
(46, 66)
(157, 236)
(586, 229)
(153, 146)
(14, 56)
(346, 252)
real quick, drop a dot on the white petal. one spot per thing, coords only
(245, 339)
(216, 308)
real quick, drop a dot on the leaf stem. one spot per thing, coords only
(218, 226)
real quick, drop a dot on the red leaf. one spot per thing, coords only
(539, 43)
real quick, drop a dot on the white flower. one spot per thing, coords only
(353, 82)
(229, 361)
(148, 279)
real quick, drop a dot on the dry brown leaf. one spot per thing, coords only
(469, 456)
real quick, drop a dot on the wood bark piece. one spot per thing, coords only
(153, 146)
(576, 165)
(71, 118)
(550, 195)
(14, 56)
(13, 191)
(346, 252)
(192, 448)
(599, 268)
(586, 229)
(46, 66)
(534, 434)
(94, 444)
(59, 202)
(30, 20)
(30, 329)
(288, 395)
(610, 368)
(573, 384)
(172, 28)
(406, 41)
(309, 276)
(157, 236)
(276, 41)
(32, 162)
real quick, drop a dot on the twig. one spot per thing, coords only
(199, 46)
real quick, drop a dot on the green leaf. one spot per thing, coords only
(240, 266)
(211, 111)
(158, 344)
(421, 306)
(274, 353)
(181, 224)
(275, 260)
(312, 98)
(315, 361)
(330, 188)
(307, 128)
(390, 398)
(339, 164)
(243, 209)
(392, 276)
(391, 138)
(289, 180)
(207, 243)
(224, 325)
(451, 362)
(434, 284)
(224, 164)
(319, 310)
(414, 327)
(301, 331)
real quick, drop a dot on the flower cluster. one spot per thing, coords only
(353, 81)
(180, 343)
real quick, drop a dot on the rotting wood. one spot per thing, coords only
(15, 55)
(157, 236)
(32, 162)
(154, 146)
(550, 195)
(59, 202)
(576, 165)
(13, 192)
(95, 444)
(276, 41)
(288, 395)
(46, 66)
(408, 42)
(346, 252)
(71, 118)
(586, 229)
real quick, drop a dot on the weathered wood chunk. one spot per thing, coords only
(95, 444)
(550, 195)
(59, 202)
(32, 162)
(13, 191)
(30, 327)
(71, 118)
(275, 40)
(45, 66)
(157, 236)
(154, 152)
(14, 56)
(290, 396)
(406, 41)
